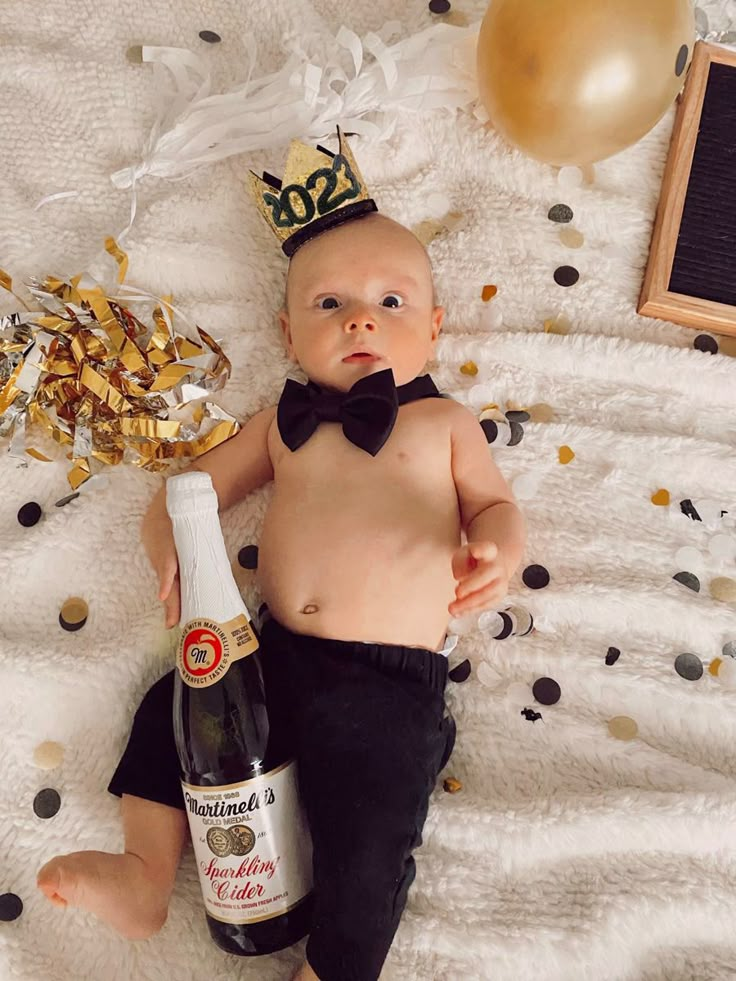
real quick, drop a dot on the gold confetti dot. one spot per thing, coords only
(571, 238)
(622, 727)
(135, 54)
(427, 231)
(452, 219)
(456, 18)
(488, 293)
(469, 368)
(565, 454)
(48, 755)
(73, 613)
(714, 666)
(661, 498)
(724, 589)
(451, 785)
(515, 407)
(541, 412)
(492, 412)
(557, 325)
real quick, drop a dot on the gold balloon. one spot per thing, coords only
(574, 81)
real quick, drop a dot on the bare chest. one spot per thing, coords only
(414, 461)
(360, 547)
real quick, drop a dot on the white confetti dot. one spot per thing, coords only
(504, 434)
(487, 676)
(463, 625)
(436, 205)
(517, 691)
(480, 395)
(689, 558)
(727, 674)
(570, 177)
(526, 485)
(490, 620)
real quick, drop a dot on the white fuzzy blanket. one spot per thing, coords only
(568, 855)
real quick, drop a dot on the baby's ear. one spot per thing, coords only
(286, 329)
(438, 314)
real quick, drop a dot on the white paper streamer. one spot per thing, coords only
(434, 69)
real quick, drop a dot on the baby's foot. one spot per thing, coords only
(118, 889)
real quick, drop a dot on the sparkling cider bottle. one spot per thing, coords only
(250, 836)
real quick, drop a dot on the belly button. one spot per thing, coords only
(310, 608)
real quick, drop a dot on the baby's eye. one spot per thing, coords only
(392, 300)
(328, 303)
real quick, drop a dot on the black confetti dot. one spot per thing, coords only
(46, 803)
(490, 428)
(688, 508)
(546, 691)
(566, 275)
(29, 514)
(530, 715)
(706, 344)
(439, 6)
(248, 557)
(613, 655)
(461, 671)
(507, 629)
(517, 433)
(689, 666)
(681, 60)
(518, 416)
(10, 907)
(210, 37)
(65, 500)
(560, 212)
(689, 580)
(535, 577)
(524, 621)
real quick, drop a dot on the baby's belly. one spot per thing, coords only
(372, 580)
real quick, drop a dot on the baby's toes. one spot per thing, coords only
(49, 881)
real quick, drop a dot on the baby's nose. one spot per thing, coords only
(359, 317)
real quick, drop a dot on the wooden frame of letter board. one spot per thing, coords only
(655, 299)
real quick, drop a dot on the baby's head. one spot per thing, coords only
(364, 285)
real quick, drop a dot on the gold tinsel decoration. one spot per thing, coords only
(107, 385)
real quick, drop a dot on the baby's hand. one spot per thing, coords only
(482, 578)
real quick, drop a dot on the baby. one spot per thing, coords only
(361, 563)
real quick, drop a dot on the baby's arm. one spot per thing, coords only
(238, 466)
(489, 517)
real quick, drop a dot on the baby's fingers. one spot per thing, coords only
(167, 578)
(482, 599)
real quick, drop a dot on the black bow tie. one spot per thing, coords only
(367, 412)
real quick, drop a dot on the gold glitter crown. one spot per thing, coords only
(320, 190)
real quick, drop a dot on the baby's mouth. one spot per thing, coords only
(361, 357)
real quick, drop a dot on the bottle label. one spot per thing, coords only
(252, 846)
(208, 648)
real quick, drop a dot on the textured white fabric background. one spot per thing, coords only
(568, 855)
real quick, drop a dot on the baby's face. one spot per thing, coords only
(365, 285)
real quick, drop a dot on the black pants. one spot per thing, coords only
(371, 733)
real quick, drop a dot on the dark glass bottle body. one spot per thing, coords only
(239, 751)
(249, 835)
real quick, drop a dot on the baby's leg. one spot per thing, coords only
(129, 891)
(383, 755)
